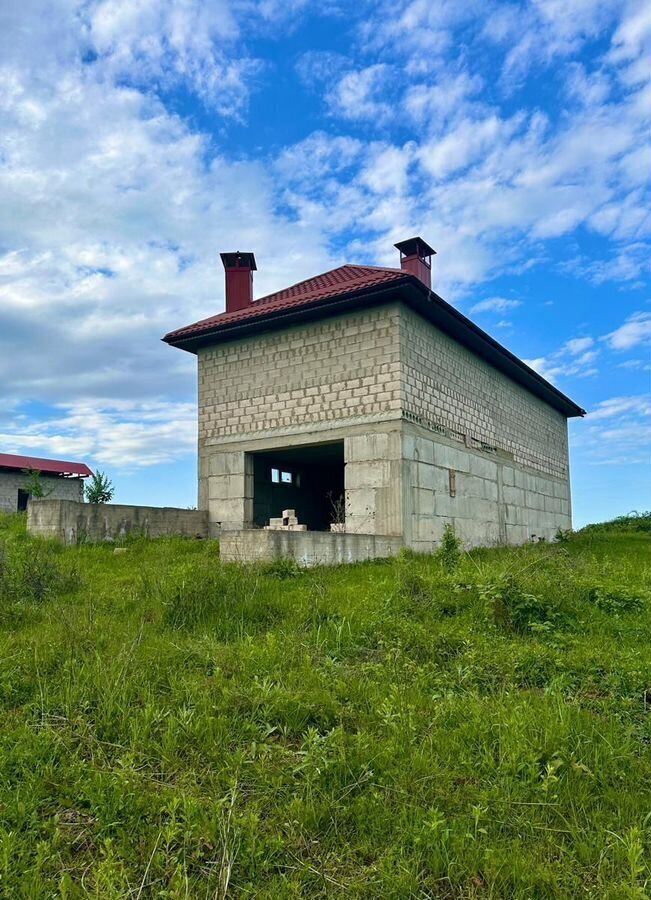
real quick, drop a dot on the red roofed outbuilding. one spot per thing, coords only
(61, 479)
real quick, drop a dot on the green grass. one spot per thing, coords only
(172, 727)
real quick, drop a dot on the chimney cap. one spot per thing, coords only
(239, 260)
(415, 246)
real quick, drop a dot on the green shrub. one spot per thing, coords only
(514, 608)
(615, 602)
(634, 521)
(412, 586)
(192, 596)
(450, 550)
(225, 598)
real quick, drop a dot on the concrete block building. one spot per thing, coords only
(364, 401)
(61, 480)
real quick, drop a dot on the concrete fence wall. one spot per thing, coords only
(308, 548)
(74, 523)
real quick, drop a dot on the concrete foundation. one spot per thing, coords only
(74, 523)
(307, 548)
(405, 480)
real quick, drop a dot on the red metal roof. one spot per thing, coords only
(35, 463)
(337, 282)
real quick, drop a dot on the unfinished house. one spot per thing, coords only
(60, 480)
(366, 404)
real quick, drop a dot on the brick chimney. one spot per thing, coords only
(416, 258)
(239, 268)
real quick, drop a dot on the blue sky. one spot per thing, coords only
(139, 139)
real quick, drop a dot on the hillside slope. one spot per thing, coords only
(425, 727)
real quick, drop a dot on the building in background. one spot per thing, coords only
(362, 400)
(60, 480)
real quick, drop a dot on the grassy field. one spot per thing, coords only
(473, 727)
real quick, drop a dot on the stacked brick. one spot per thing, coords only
(287, 522)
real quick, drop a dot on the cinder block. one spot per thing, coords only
(230, 463)
(513, 495)
(484, 468)
(371, 474)
(360, 503)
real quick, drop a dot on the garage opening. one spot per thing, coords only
(308, 479)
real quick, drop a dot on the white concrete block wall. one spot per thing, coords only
(445, 384)
(379, 379)
(325, 371)
(495, 501)
(319, 375)
(55, 487)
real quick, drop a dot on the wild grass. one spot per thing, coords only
(448, 726)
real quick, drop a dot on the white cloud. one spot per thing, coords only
(309, 162)
(578, 345)
(572, 359)
(425, 101)
(641, 365)
(616, 432)
(123, 435)
(636, 330)
(617, 406)
(361, 94)
(495, 304)
(631, 42)
(467, 142)
(113, 209)
(543, 31)
(112, 214)
(589, 88)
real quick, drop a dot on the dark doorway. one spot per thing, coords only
(23, 500)
(308, 479)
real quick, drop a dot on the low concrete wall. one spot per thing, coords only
(74, 523)
(308, 548)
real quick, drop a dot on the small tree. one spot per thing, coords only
(34, 484)
(100, 488)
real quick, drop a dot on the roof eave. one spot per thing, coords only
(267, 319)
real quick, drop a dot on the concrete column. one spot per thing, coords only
(373, 480)
(230, 491)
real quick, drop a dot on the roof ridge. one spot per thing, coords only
(327, 277)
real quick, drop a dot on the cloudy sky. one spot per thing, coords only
(138, 138)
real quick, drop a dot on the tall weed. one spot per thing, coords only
(35, 571)
(209, 594)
